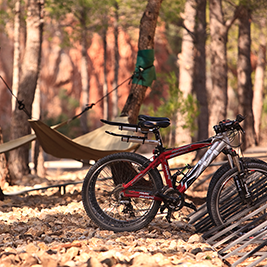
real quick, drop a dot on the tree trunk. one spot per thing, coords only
(84, 74)
(19, 158)
(219, 29)
(116, 62)
(105, 85)
(245, 93)
(186, 57)
(4, 172)
(186, 63)
(148, 25)
(200, 73)
(259, 81)
(37, 150)
(218, 32)
(15, 82)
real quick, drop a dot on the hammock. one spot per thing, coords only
(95, 144)
(90, 146)
(16, 143)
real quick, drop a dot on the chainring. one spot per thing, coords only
(174, 199)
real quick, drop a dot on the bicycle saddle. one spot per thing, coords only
(152, 122)
(149, 118)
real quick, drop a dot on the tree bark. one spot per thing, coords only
(4, 172)
(148, 25)
(105, 85)
(19, 158)
(84, 72)
(116, 62)
(186, 63)
(15, 82)
(219, 28)
(200, 73)
(259, 80)
(245, 93)
(218, 33)
(186, 57)
(36, 149)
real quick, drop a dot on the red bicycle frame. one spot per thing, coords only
(162, 159)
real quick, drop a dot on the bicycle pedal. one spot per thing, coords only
(168, 216)
(163, 207)
(190, 205)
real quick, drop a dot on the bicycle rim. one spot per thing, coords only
(229, 204)
(110, 209)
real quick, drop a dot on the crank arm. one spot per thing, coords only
(190, 205)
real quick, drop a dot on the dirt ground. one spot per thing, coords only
(50, 228)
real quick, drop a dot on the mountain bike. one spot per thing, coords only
(125, 191)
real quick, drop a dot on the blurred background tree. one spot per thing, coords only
(210, 65)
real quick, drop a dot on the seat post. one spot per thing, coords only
(158, 138)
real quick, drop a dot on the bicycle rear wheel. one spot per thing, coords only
(223, 201)
(101, 193)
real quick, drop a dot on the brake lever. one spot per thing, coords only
(241, 129)
(240, 118)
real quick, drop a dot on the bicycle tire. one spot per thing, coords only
(223, 201)
(104, 206)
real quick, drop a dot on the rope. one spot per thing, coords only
(21, 105)
(140, 77)
(99, 100)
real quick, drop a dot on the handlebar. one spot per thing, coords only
(228, 125)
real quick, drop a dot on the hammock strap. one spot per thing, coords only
(138, 74)
(21, 105)
(135, 78)
(93, 104)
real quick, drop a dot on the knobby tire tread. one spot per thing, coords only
(218, 179)
(97, 215)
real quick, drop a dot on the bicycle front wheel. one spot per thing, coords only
(223, 200)
(101, 196)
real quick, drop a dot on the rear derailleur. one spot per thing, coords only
(173, 200)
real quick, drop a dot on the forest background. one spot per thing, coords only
(209, 59)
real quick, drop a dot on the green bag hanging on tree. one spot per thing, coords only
(145, 72)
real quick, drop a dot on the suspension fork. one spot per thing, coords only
(234, 161)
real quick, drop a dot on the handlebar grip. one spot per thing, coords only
(227, 125)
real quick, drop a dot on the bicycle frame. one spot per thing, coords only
(216, 143)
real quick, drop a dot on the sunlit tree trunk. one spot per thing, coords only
(37, 150)
(105, 84)
(186, 66)
(259, 80)
(245, 93)
(15, 81)
(148, 25)
(219, 28)
(84, 73)
(116, 62)
(19, 158)
(218, 33)
(4, 172)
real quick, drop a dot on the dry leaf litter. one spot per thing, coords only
(45, 228)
